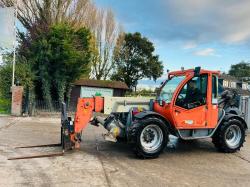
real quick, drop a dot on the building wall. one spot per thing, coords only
(94, 91)
(76, 93)
(244, 86)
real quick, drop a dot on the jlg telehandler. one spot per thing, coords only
(188, 106)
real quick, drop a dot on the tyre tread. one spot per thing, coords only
(218, 138)
(134, 136)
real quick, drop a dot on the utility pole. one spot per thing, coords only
(14, 43)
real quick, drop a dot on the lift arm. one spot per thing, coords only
(106, 105)
(84, 112)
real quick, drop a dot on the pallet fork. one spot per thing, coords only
(65, 143)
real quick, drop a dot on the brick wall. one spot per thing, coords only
(17, 98)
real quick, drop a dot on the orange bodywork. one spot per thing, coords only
(83, 115)
(85, 109)
(205, 116)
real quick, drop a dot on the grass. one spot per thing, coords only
(5, 105)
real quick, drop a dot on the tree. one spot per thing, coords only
(59, 55)
(106, 32)
(134, 60)
(23, 75)
(240, 70)
(78, 14)
(38, 17)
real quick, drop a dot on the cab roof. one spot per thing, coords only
(191, 71)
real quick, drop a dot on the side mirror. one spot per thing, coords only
(160, 101)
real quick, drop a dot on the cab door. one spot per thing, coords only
(190, 106)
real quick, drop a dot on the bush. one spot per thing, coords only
(58, 55)
(5, 106)
(23, 75)
(142, 93)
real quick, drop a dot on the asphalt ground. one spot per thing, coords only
(101, 163)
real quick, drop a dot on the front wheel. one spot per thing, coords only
(151, 138)
(230, 136)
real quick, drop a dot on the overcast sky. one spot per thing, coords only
(212, 34)
(7, 27)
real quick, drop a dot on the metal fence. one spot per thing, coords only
(42, 108)
(244, 106)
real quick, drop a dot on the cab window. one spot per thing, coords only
(169, 88)
(193, 93)
(214, 88)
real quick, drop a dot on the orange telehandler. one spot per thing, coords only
(188, 106)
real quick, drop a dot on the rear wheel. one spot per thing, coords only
(230, 136)
(151, 138)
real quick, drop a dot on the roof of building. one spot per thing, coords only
(101, 83)
(228, 77)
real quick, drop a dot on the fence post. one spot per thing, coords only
(244, 107)
(248, 115)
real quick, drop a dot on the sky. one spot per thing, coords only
(212, 34)
(7, 27)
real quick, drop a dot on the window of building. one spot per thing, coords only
(225, 83)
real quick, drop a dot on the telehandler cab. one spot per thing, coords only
(188, 106)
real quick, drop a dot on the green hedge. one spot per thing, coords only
(5, 105)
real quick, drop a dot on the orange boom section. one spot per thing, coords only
(85, 109)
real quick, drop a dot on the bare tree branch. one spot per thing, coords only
(106, 32)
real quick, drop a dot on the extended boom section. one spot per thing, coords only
(117, 111)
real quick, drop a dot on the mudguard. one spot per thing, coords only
(234, 110)
(230, 115)
(145, 114)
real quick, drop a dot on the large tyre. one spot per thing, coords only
(150, 137)
(230, 137)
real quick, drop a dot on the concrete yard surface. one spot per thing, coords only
(100, 163)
